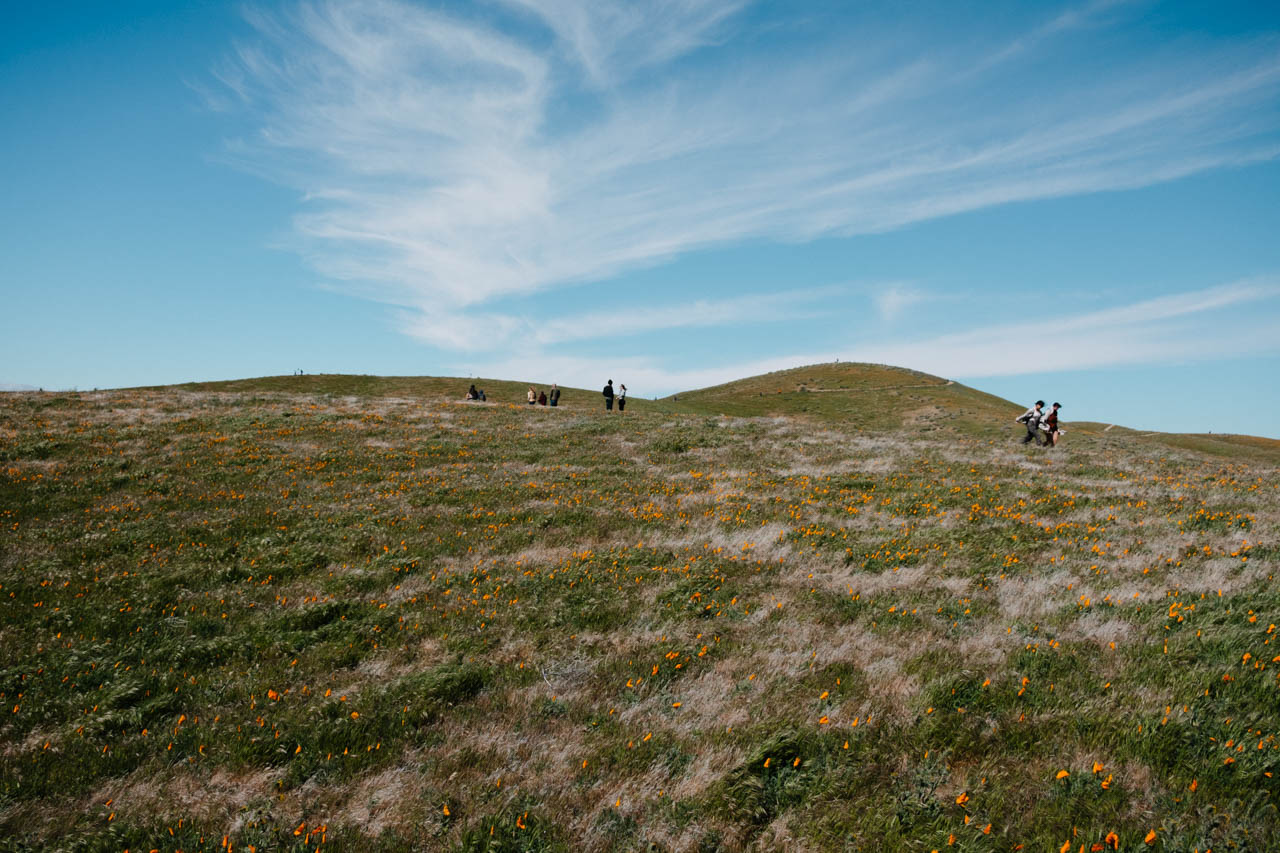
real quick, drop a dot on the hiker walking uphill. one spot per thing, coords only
(608, 396)
(1031, 417)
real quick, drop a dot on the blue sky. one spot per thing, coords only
(1073, 201)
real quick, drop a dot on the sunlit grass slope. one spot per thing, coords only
(868, 396)
(357, 613)
(859, 396)
(881, 397)
(497, 391)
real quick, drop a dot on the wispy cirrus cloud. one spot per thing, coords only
(453, 160)
(1235, 319)
(895, 298)
(611, 41)
(1072, 18)
(744, 310)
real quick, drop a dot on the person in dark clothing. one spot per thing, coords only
(1031, 417)
(472, 393)
(554, 396)
(483, 398)
(608, 396)
(622, 397)
(1050, 426)
(542, 398)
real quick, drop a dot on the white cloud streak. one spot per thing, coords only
(1175, 329)
(1071, 19)
(891, 301)
(612, 41)
(451, 162)
(478, 329)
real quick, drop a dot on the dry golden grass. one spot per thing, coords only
(582, 633)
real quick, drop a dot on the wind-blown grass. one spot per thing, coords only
(371, 617)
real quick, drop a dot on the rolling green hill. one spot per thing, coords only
(860, 396)
(358, 613)
(880, 397)
(867, 396)
(407, 387)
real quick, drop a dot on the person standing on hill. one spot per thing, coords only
(1031, 417)
(1050, 426)
(532, 396)
(608, 396)
(554, 396)
(622, 397)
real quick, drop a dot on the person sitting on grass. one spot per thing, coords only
(472, 393)
(542, 398)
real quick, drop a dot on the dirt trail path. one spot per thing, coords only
(882, 388)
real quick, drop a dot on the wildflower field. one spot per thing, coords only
(354, 614)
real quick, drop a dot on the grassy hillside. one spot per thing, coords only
(357, 613)
(328, 385)
(866, 396)
(859, 396)
(879, 397)
(1234, 446)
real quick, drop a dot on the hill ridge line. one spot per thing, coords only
(882, 388)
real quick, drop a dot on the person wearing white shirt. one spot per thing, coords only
(1031, 417)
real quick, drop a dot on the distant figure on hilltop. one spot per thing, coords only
(554, 396)
(1031, 417)
(622, 397)
(542, 398)
(532, 395)
(608, 396)
(1049, 423)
